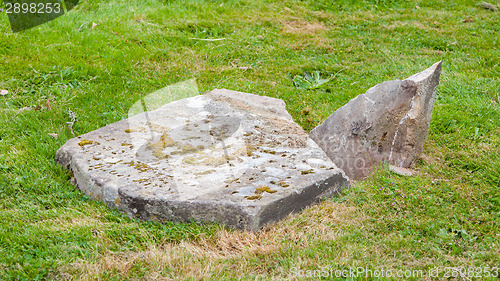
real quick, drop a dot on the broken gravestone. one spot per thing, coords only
(389, 124)
(225, 156)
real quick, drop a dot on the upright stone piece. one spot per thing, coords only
(389, 123)
(225, 156)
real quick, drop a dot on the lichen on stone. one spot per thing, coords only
(160, 155)
(229, 181)
(311, 171)
(189, 160)
(264, 188)
(284, 184)
(141, 167)
(217, 161)
(85, 142)
(206, 172)
(253, 197)
(269, 151)
(187, 148)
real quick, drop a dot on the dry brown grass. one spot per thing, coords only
(302, 27)
(306, 34)
(228, 251)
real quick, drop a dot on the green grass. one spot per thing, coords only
(446, 215)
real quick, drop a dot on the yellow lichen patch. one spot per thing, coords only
(158, 128)
(217, 161)
(85, 142)
(97, 166)
(160, 155)
(205, 172)
(137, 129)
(140, 180)
(284, 184)
(117, 201)
(166, 140)
(189, 160)
(155, 145)
(247, 150)
(142, 167)
(259, 191)
(264, 188)
(307, 172)
(188, 148)
(185, 149)
(269, 151)
(127, 144)
(250, 149)
(229, 181)
(253, 197)
(158, 146)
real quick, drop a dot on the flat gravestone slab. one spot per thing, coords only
(228, 157)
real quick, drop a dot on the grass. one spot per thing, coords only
(448, 215)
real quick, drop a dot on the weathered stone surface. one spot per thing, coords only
(224, 156)
(389, 123)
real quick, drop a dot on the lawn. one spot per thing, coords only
(101, 57)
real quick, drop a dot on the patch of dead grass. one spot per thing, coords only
(316, 42)
(302, 27)
(203, 258)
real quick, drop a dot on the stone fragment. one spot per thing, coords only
(389, 123)
(400, 171)
(225, 156)
(488, 6)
